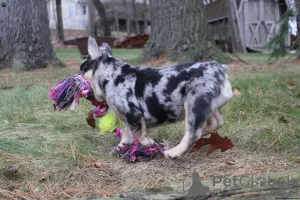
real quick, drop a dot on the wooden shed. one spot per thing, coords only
(258, 20)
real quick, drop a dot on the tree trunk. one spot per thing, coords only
(92, 29)
(59, 25)
(297, 2)
(145, 16)
(236, 38)
(102, 13)
(25, 36)
(179, 29)
(135, 20)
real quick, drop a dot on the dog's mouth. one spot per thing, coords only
(101, 107)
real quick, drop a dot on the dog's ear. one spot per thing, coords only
(105, 48)
(93, 49)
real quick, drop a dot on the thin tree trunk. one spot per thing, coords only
(238, 45)
(297, 3)
(145, 16)
(25, 36)
(102, 13)
(92, 30)
(179, 29)
(59, 25)
(135, 20)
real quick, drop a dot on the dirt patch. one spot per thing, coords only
(239, 68)
(119, 176)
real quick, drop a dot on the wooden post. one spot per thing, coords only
(236, 35)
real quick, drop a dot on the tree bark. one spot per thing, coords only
(59, 25)
(25, 36)
(236, 38)
(102, 13)
(179, 29)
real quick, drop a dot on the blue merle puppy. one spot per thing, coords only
(145, 97)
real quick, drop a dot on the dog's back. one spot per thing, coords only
(160, 93)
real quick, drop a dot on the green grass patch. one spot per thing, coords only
(128, 55)
(262, 57)
(271, 111)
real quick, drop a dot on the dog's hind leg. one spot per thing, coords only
(194, 123)
(214, 122)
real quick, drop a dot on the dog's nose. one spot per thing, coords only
(80, 72)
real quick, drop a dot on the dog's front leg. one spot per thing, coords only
(127, 137)
(138, 132)
(142, 136)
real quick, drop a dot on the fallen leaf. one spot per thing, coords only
(240, 113)
(236, 92)
(99, 165)
(216, 142)
(291, 85)
(91, 120)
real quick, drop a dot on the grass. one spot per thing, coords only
(61, 145)
(261, 58)
(128, 55)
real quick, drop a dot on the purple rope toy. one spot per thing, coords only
(136, 152)
(67, 93)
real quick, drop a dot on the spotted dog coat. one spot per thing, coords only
(144, 97)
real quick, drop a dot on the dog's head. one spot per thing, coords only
(96, 56)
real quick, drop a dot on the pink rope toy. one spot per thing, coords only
(67, 94)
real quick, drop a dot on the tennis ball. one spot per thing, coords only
(108, 123)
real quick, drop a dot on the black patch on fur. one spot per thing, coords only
(174, 81)
(133, 119)
(104, 84)
(119, 79)
(133, 107)
(217, 76)
(129, 93)
(183, 91)
(143, 76)
(201, 111)
(183, 66)
(156, 109)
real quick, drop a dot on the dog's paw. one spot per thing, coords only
(171, 154)
(146, 141)
(122, 144)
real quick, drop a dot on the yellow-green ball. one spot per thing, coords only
(108, 123)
